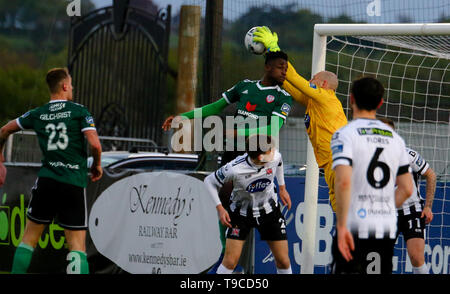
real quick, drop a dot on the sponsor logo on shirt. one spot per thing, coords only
(285, 108)
(220, 174)
(26, 114)
(64, 165)
(337, 148)
(90, 120)
(270, 98)
(246, 113)
(362, 213)
(56, 106)
(374, 131)
(258, 185)
(250, 107)
(312, 85)
(269, 171)
(419, 161)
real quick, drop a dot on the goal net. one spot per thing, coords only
(412, 62)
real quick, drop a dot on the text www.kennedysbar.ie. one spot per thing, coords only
(162, 259)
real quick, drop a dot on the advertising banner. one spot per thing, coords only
(155, 223)
(159, 222)
(51, 251)
(139, 223)
(437, 248)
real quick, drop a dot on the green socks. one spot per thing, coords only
(22, 259)
(78, 263)
(223, 238)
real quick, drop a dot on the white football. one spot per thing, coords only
(253, 47)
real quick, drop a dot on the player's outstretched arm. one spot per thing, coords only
(295, 93)
(96, 151)
(270, 41)
(8, 129)
(303, 85)
(205, 111)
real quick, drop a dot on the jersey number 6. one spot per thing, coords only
(374, 163)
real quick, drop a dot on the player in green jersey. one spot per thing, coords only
(62, 128)
(254, 100)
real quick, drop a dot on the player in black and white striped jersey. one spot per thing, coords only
(414, 214)
(369, 159)
(254, 203)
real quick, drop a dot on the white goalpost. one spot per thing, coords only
(412, 61)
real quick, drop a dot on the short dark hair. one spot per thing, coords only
(256, 145)
(275, 55)
(54, 78)
(387, 121)
(368, 93)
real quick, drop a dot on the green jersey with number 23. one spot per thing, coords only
(59, 126)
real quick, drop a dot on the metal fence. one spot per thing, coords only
(118, 61)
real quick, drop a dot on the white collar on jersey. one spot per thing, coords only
(59, 100)
(261, 87)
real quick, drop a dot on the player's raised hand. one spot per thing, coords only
(267, 38)
(167, 125)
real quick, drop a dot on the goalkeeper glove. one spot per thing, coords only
(267, 38)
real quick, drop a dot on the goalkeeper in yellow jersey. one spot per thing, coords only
(324, 113)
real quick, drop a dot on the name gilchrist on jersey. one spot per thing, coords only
(377, 155)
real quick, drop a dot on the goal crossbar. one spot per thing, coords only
(408, 29)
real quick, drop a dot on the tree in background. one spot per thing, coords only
(33, 38)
